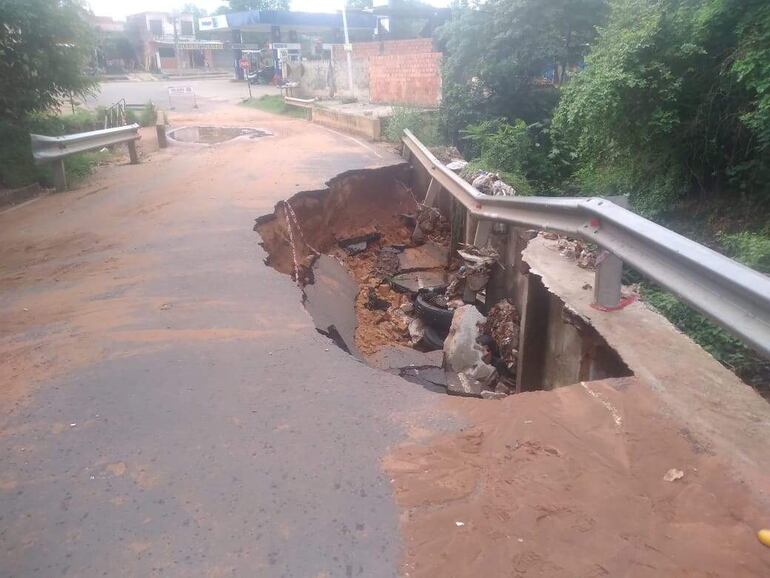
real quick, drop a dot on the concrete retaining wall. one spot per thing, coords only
(367, 127)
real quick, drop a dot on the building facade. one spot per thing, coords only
(167, 42)
(270, 36)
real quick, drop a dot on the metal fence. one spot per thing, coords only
(732, 295)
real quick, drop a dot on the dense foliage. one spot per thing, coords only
(506, 58)
(44, 47)
(243, 5)
(675, 100)
(665, 100)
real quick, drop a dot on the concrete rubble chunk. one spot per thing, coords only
(464, 355)
(399, 356)
(426, 256)
(416, 280)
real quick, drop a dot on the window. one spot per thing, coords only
(187, 28)
(156, 27)
(166, 52)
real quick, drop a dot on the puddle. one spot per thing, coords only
(214, 134)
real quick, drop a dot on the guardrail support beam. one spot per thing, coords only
(59, 176)
(132, 152)
(433, 190)
(471, 223)
(483, 230)
(608, 281)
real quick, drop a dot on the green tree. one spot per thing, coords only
(359, 4)
(44, 47)
(243, 5)
(497, 50)
(196, 11)
(675, 99)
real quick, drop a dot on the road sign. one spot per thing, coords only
(179, 91)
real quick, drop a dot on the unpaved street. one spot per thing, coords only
(168, 408)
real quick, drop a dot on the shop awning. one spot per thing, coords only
(193, 44)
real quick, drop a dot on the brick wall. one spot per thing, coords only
(365, 50)
(406, 79)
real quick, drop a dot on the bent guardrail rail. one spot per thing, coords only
(734, 296)
(54, 149)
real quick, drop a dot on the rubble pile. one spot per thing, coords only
(584, 254)
(502, 326)
(473, 275)
(487, 183)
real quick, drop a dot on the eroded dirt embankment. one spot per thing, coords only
(354, 203)
(360, 213)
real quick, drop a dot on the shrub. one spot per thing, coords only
(17, 168)
(423, 124)
(751, 249)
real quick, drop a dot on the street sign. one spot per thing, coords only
(181, 91)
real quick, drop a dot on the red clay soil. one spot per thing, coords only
(354, 203)
(569, 483)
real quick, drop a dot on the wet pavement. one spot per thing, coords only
(168, 406)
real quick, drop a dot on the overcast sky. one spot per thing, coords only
(120, 8)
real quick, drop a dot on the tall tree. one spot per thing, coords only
(243, 5)
(497, 49)
(45, 46)
(675, 99)
(359, 4)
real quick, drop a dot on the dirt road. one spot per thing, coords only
(167, 406)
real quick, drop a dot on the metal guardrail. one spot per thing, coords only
(732, 295)
(55, 149)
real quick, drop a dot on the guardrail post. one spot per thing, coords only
(470, 228)
(483, 230)
(433, 189)
(59, 176)
(132, 152)
(162, 141)
(608, 280)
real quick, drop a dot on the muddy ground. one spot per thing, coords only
(571, 483)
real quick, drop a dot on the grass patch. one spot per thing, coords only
(274, 104)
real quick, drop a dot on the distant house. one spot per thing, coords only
(165, 42)
(113, 52)
(285, 35)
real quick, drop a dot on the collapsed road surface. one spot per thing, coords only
(169, 409)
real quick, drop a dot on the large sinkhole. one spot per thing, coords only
(385, 278)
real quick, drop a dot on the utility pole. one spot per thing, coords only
(348, 48)
(175, 17)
